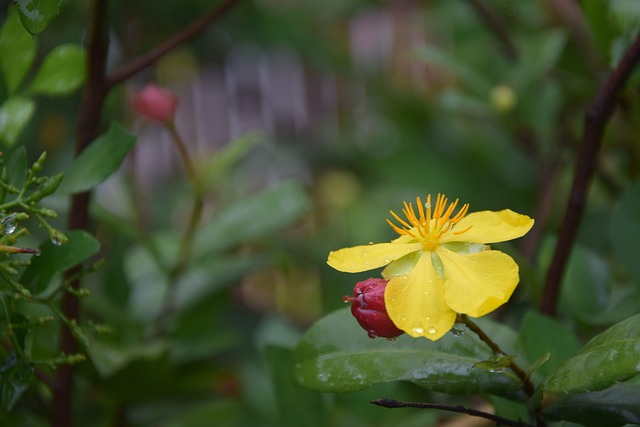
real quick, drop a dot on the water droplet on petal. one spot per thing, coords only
(417, 328)
(394, 339)
(387, 260)
(371, 243)
(432, 330)
(372, 334)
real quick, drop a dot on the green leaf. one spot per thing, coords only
(56, 259)
(15, 113)
(98, 161)
(15, 379)
(229, 156)
(296, 407)
(17, 167)
(625, 231)
(62, 71)
(255, 216)
(586, 288)
(336, 355)
(17, 51)
(37, 14)
(607, 359)
(612, 407)
(542, 335)
(109, 358)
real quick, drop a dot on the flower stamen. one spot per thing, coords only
(426, 225)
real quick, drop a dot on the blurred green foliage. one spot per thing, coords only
(422, 98)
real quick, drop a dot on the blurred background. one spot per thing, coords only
(311, 120)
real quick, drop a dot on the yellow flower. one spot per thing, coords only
(440, 265)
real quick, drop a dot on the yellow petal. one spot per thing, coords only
(478, 283)
(490, 227)
(368, 257)
(416, 303)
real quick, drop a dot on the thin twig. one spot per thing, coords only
(128, 70)
(596, 118)
(497, 27)
(391, 403)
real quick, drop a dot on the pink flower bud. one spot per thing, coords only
(155, 103)
(368, 307)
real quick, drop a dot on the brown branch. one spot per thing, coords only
(87, 130)
(596, 118)
(391, 403)
(497, 27)
(128, 70)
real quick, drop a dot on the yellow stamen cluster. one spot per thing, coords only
(429, 226)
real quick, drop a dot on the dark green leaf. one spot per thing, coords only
(62, 72)
(586, 287)
(17, 51)
(336, 355)
(15, 113)
(625, 231)
(296, 406)
(98, 161)
(56, 259)
(612, 407)
(607, 359)
(37, 14)
(255, 216)
(14, 382)
(541, 335)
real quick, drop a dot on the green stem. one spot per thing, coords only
(184, 250)
(527, 385)
(520, 373)
(12, 337)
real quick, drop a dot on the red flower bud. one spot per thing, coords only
(155, 103)
(367, 306)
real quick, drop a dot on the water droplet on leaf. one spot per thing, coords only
(9, 224)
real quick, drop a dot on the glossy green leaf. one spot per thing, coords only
(296, 407)
(541, 336)
(336, 355)
(625, 231)
(17, 51)
(252, 217)
(37, 14)
(15, 378)
(15, 113)
(611, 357)
(611, 407)
(98, 161)
(55, 259)
(62, 72)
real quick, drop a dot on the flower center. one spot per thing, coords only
(429, 225)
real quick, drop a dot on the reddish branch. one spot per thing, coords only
(596, 118)
(500, 421)
(88, 128)
(188, 33)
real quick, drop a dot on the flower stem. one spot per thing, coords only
(189, 233)
(520, 373)
(527, 385)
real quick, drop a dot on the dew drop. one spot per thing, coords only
(371, 243)
(432, 330)
(56, 241)
(387, 260)
(457, 332)
(372, 333)
(498, 370)
(9, 224)
(393, 339)
(417, 328)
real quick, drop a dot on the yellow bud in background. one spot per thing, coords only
(503, 98)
